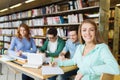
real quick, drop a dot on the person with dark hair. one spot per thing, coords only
(71, 43)
(22, 43)
(70, 47)
(92, 56)
(53, 44)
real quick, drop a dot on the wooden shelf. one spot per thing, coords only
(83, 10)
(7, 35)
(39, 37)
(54, 25)
(57, 25)
(8, 27)
(5, 41)
(43, 37)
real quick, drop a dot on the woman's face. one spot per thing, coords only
(88, 32)
(23, 31)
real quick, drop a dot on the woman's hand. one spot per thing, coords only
(78, 76)
(61, 57)
(53, 64)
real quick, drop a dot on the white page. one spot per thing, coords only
(7, 58)
(48, 70)
(35, 59)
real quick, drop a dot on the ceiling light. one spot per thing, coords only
(4, 10)
(28, 1)
(118, 5)
(16, 5)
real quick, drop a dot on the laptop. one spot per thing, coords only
(34, 60)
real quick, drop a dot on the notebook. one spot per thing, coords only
(34, 60)
(48, 70)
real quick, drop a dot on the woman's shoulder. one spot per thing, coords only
(102, 45)
(15, 38)
(80, 46)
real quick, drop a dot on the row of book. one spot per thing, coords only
(54, 8)
(73, 18)
(39, 42)
(62, 32)
(10, 24)
(6, 38)
(8, 31)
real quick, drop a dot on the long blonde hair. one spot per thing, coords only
(26, 27)
(98, 38)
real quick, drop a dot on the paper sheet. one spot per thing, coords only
(48, 70)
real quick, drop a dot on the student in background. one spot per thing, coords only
(93, 56)
(22, 43)
(71, 43)
(53, 44)
(70, 46)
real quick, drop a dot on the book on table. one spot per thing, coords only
(34, 61)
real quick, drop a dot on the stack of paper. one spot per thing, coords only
(34, 60)
(48, 70)
(7, 58)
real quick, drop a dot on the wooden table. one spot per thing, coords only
(106, 76)
(32, 72)
(117, 77)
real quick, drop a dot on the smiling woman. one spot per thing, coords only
(22, 43)
(93, 56)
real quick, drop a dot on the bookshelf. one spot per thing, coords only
(60, 14)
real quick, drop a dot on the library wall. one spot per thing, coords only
(60, 15)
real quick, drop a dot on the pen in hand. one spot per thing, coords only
(52, 63)
(52, 59)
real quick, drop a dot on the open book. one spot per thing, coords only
(6, 58)
(34, 60)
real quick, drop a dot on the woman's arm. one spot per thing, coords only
(33, 47)
(110, 65)
(72, 61)
(11, 50)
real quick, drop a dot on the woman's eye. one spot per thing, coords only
(92, 30)
(83, 30)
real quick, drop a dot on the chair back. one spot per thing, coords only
(107, 77)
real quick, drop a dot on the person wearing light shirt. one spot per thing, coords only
(53, 44)
(71, 43)
(22, 43)
(93, 57)
(70, 46)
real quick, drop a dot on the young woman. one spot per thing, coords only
(22, 43)
(93, 57)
